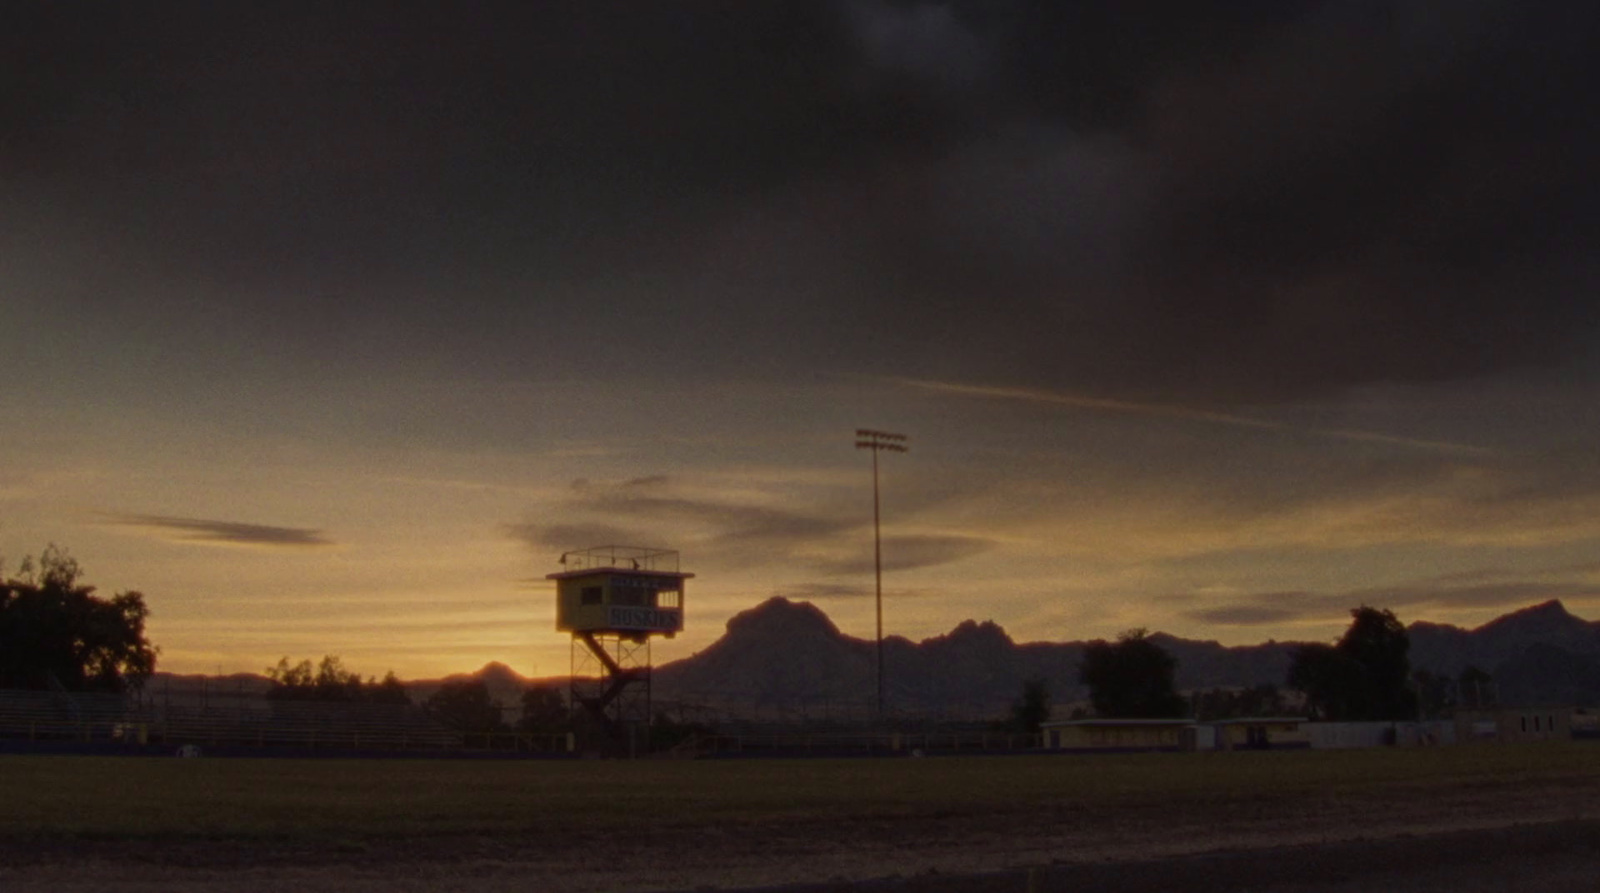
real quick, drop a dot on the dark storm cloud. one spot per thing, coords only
(232, 533)
(1339, 195)
(1263, 199)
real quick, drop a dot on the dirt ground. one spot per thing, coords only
(1505, 837)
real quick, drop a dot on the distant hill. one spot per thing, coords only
(1449, 649)
(1538, 655)
(786, 660)
(505, 685)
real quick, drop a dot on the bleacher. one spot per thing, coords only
(59, 716)
(223, 722)
(797, 743)
(307, 725)
(46, 716)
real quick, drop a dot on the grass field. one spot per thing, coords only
(167, 799)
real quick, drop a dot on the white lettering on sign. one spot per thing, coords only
(622, 617)
(647, 582)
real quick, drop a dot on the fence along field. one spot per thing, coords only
(28, 717)
(250, 724)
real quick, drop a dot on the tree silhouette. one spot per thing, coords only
(1365, 677)
(544, 709)
(389, 691)
(1435, 693)
(1330, 680)
(1033, 708)
(465, 705)
(56, 631)
(1131, 678)
(331, 681)
(1222, 703)
(1476, 687)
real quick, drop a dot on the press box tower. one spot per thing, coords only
(614, 600)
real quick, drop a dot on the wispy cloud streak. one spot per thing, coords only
(1162, 410)
(1295, 607)
(739, 527)
(224, 533)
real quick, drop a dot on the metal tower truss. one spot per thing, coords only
(611, 680)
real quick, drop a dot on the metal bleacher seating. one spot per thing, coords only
(46, 716)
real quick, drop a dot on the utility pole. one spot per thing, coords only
(877, 442)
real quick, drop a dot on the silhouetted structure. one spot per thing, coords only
(613, 599)
(877, 442)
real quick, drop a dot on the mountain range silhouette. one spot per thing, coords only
(787, 659)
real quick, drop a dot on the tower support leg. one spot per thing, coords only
(613, 686)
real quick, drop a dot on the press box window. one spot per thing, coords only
(667, 598)
(591, 595)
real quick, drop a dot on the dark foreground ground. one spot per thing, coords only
(1535, 828)
(1550, 856)
(1547, 857)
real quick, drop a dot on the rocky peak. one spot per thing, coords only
(972, 635)
(495, 671)
(1547, 619)
(778, 616)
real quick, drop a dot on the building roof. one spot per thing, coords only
(1255, 720)
(629, 571)
(1240, 721)
(1101, 721)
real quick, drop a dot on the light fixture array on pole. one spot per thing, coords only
(877, 442)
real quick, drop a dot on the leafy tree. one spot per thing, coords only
(1366, 676)
(1222, 703)
(55, 630)
(330, 681)
(1033, 708)
(544, 709)
(1476, 687)
(465, 705)
(1329, 678)
(390, 691)
(1132, 678)
(1435, 694)
(1379, 643)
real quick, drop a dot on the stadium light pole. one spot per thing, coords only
(877, 442)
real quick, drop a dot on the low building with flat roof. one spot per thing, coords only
(1143, 735)
(1514, 724)
(1261, 733)
(1118, 735)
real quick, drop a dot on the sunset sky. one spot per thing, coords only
(330, 326)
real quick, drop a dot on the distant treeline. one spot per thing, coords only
(462, 704)
(329, 680)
